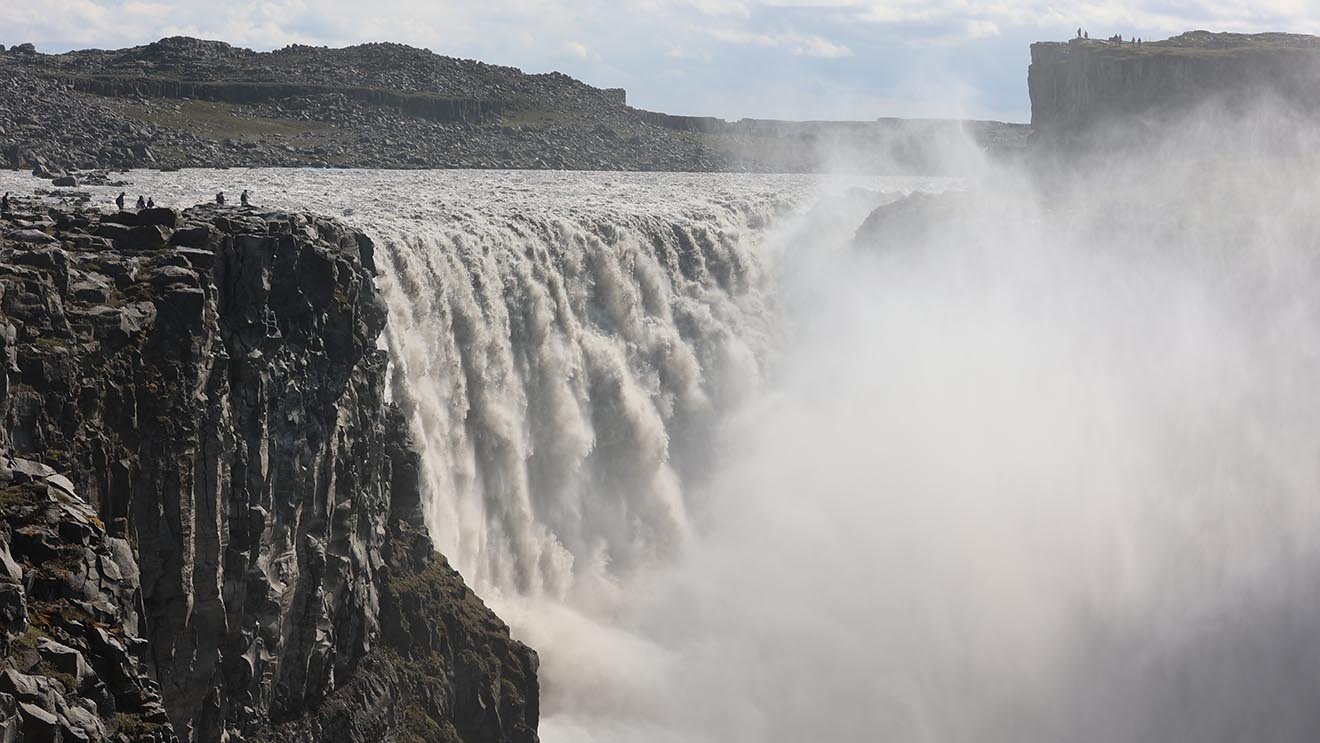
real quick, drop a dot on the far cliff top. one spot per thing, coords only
(1190, 44)
(1078, 83)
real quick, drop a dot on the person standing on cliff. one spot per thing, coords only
(119, 201)
(4, 203)
(142, 202)
(243, 198)
(220, 198)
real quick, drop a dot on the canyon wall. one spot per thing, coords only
(1082, 83)
(208, 499)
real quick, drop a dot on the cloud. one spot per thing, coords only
(577, 49)
(797, 44)
(818, 47)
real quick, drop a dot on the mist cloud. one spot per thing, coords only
(1041, 470)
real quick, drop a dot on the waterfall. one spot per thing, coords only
(1028, 464)
(564, 371)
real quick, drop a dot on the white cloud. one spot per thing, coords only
(797, 44)
(577, 49)
(818, 47)
(968, 19)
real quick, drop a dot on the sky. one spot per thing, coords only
(791, 59)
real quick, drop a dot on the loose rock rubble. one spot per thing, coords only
(70, 606)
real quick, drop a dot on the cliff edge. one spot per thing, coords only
(209, 514)
(1079, 84)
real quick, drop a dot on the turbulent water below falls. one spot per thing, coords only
(1036, 468)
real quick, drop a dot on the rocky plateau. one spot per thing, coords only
(184, 102)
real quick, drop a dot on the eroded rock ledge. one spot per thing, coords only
(209, 514)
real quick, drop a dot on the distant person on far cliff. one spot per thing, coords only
(4, 202)
(119, 201)
(220, 198)
(142, 202)
(243, 197)
(1079, 32)
(151, 203)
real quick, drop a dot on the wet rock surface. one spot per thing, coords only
(209, 514)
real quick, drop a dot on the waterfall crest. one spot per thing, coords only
(564, 371)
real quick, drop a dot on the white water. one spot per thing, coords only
(1050, 477)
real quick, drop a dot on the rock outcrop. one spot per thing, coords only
(1078, 85)
(209, 501)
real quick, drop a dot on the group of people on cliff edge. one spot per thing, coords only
(150, 202)
(243, 198)
(143, 202)
(1115, 39)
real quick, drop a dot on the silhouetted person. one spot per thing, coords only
(142, 203)
(119, 201)
(151, 203)
(1079, 32)
(243, 197)
(1086, 34)
(4, 202)
(220, 198)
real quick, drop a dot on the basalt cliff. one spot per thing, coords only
(1079, 87)
(210, 524)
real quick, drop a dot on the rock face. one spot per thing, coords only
(70, 606)
(1076, 85)
(210, 502)
(182, 102)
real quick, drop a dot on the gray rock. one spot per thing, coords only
(113, 230)
(65, 659)
(79, 723)
(126, 218)
(13, 608)
(30, 237)
(61, 482)
(172, 275)
(147, 237)
(158, 216)
(90, 292)
(24, 687)
(192, 236)
(200, 259)
(27, 470)
(38, 724)
(9, 570)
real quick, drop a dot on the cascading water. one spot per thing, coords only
(564, 373)
(1037, 464)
